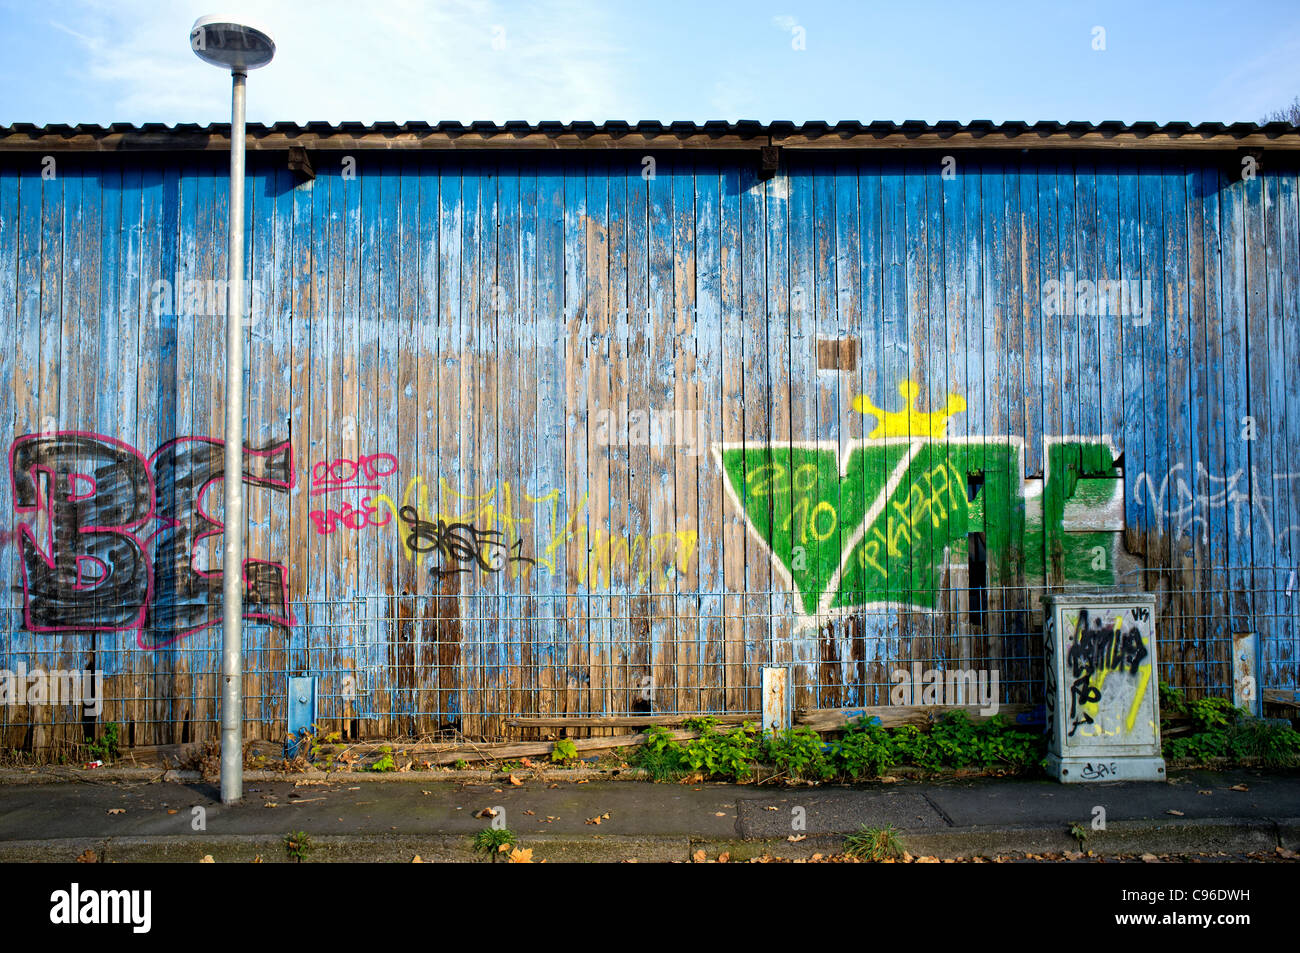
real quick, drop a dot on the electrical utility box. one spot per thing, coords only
(1103, 695)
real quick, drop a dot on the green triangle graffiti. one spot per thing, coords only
(797, 501)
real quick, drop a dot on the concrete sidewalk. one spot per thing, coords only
(55, 816)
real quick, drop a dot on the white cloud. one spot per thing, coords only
(340, 60)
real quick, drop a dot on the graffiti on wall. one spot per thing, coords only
(879, 521)
(120, 540)
(349, 475)
(1108, 661)
(508, 530)
(1188, 499)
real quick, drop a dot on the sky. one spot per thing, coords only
(101, 61)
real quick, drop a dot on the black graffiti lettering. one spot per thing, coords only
(190, 474)
(1097, 648)
(123, 533)
(95, 495)
(460, 547)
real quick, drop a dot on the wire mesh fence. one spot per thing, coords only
(477, 663)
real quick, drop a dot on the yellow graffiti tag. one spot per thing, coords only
(909, 422)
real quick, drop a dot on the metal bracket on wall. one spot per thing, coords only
(302, 712)
(777, 690)
(300, 164)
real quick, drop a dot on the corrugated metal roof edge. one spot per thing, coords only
(653, 134)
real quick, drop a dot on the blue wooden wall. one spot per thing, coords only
(543, 435)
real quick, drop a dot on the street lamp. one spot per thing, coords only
(237, 47)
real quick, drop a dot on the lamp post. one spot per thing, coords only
(238, 47)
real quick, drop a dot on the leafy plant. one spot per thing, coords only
(659, 756)
(874, 843)
(460, 764)
(1079, 832)
(1221, 730)
(563, 750)
(385, 761)
(105, 747)
(298, 844)
(729, 755)
(799, 753)
(490, 840)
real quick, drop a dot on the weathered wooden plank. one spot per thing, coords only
(803, 412)
(640, 606)
(577, 489)
(443, 470)
(751, 344)
(1180, 615)
(596, 370)
(785, 606)
(735, 540)
(551, 508)
(408, 586)
(661, 392)
(894, 716)
(1283, 667)
(1236, 406)
(682, 575)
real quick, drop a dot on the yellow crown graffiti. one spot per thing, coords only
(909, 422)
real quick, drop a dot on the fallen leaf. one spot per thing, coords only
(699, 857)
(87, 856)
(796, 838)
(594, 820)
(526, 763)
(1175, 813)
(426, 792)
(518, 856)
(927, 860)
(515, 781)
(888, 779)
(405, 767)
(724, 857)
(719, 813)
(501, 849)
(582, 781)
(117, 810)
(416, 859)
(907, 858)
(172, 810)
(207, 859)
(486, 812)
(1239, 787)
(1287, 854)
(529, 813)
(771, 809)
(1150, 859)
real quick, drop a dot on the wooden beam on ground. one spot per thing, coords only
(623, 721)
(893, 716)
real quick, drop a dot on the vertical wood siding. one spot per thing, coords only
(539, 435)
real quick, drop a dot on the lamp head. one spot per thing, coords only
(230, 44)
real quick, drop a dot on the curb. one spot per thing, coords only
(1228, 835)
